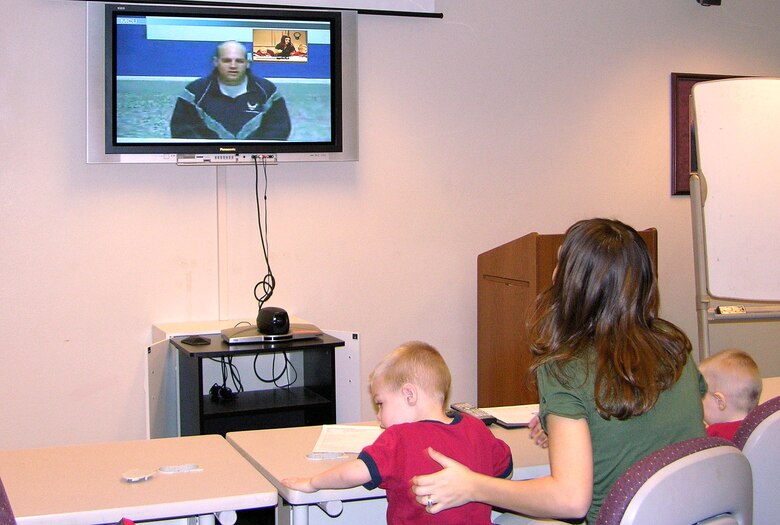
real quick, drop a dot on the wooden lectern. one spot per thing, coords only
(510, 277)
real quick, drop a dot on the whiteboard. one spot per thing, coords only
(737, 130)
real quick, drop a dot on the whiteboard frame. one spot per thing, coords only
(758, 309)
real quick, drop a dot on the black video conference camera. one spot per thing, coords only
(273, 321)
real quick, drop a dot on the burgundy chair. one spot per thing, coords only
(702, 480)
(759, 438)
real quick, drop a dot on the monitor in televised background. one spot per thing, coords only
(220, 85)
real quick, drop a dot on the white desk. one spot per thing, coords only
(530, 461)
(83, 484)
(281, 453)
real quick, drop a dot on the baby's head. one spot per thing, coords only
(733, 386)
(414, 363)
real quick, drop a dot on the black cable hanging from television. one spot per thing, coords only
(267, 283)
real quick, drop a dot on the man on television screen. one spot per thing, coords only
(231, 102)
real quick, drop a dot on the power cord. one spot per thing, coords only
(229, 370)
(268, 283)
(287, 367)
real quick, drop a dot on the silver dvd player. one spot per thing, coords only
(250, 334)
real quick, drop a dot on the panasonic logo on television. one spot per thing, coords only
(227, 150)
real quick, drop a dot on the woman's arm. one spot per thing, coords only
(565, 493)
(347, 475)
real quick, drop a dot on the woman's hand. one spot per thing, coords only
(537, 433)
(445, 489)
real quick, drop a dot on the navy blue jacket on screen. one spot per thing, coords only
(202, 111)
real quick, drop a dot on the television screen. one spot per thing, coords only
(191, 81)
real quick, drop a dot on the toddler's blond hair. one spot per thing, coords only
(734, 373)
(417, 363)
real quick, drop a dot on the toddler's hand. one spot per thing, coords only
(300, 484)
(537, 433)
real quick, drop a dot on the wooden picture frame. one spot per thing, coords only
(683, 142)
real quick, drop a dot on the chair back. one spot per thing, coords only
(759, 438)
(6, 514)
(701, 480)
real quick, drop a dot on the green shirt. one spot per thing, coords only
(676, 416)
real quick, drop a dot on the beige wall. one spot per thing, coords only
(463, 147)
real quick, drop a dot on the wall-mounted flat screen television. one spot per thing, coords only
(220, 84)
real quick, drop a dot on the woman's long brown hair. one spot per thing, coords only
(604, 295)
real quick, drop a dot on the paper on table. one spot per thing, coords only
(346, 438)
(513, 416)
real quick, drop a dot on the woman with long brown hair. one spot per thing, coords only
(616, 382)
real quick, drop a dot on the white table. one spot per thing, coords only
(83, 484)
(281, 453)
